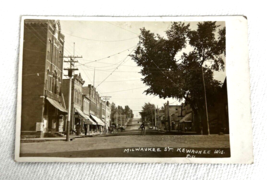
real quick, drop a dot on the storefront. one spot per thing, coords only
(82, 122)
(100, 123)
(54, 116)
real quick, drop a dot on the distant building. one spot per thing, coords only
(43, 106)
(160, 116)
(187, 122)
(103, 110)
(95, 112)
(108, 113)
(78, 118)
(175, 113)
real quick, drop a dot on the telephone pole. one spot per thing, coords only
(70, 70)
(206, 104)
(168, 116)
(155, 117)
(94, 78)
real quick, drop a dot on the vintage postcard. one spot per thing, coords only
(134, 89)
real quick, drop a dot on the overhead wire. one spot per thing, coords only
(114, 69)
(106, 57)
(101, 40)
(122, 28)
(123, 90)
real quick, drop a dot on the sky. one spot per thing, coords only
(105, 48)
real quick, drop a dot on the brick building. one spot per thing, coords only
(103, 110)
(95, 107)
(43, 106)
(80, 106)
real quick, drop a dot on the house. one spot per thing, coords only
(175, 115)
(187, 122)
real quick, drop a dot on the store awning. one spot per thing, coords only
(187, 118)
(99, 122)
(57, 105)
(91, 120)
(86, 118)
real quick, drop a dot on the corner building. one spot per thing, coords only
(43, 106)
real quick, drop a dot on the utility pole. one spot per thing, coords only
(94, 78)
(155, 117)
(168, 116)
(120, 117)
(70, 70)
(158, 120)
(207, 114)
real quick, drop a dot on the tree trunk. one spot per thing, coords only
(196, 121)
(204, 121)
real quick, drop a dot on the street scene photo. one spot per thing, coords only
(96, 89)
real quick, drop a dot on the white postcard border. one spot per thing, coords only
(238, 83)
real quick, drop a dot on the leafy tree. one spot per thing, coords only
(128, 112)
(207, 48)
(114, 110)
(148, 113)
(168, 75)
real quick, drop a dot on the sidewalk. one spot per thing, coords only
(63, 138)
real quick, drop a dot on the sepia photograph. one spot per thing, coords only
(123, 89)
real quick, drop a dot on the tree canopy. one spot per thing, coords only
(119, 110)
(170, 71)
(148, 112)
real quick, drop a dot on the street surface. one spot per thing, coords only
(126, 144)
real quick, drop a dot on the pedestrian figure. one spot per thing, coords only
(85, 129)
(143, 129)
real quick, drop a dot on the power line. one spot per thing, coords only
(129, 98)
(42, 41)
(93, 67)
(122, 28)
(124, 90)
(86, 75)
(111, 69)
(125, 80)
(102, 40)
(92, 61)
(114, 70)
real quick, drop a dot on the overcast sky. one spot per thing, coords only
(110, 43)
